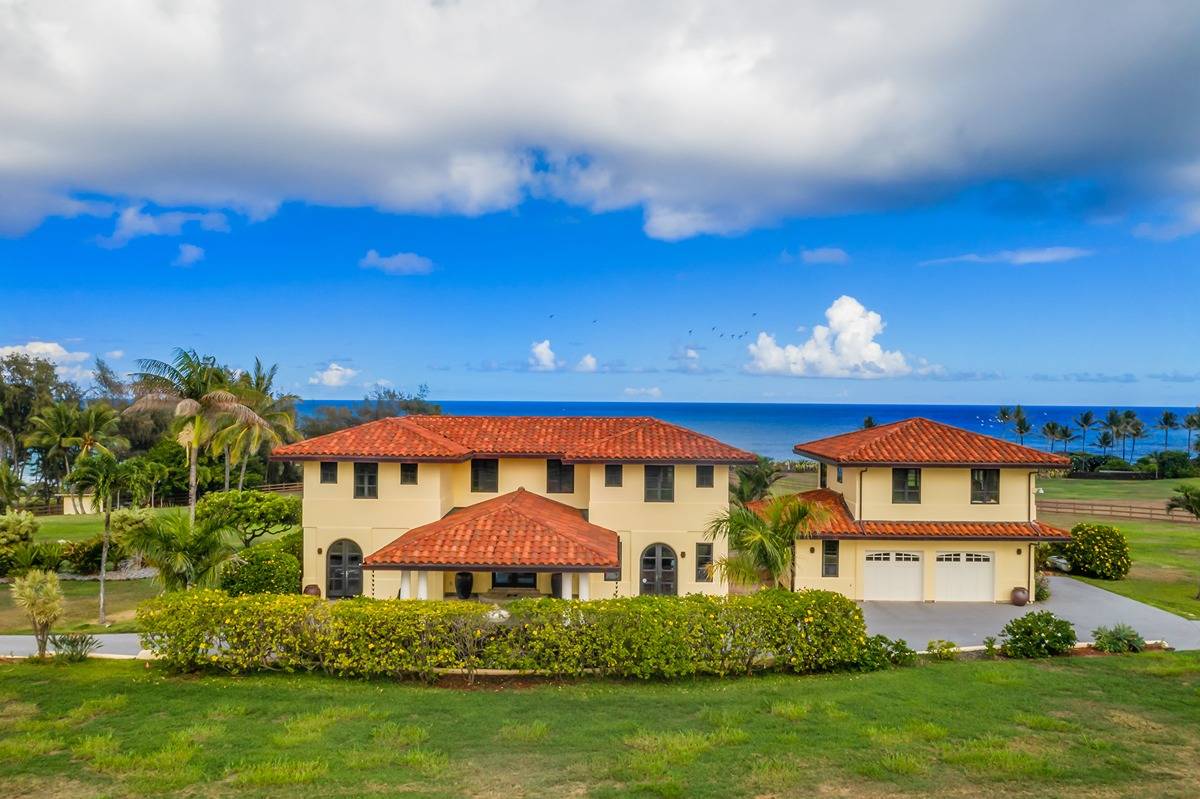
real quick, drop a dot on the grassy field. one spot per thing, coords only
(74, 528)
(1069, 727)
(1156, 491)
(122, 598)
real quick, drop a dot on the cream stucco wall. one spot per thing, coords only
(945, 496)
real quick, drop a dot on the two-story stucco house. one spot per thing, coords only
(427, 507)
(918, 510)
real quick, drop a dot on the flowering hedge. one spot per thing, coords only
(645, 637)
(1097, 550)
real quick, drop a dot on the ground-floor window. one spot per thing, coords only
(704, 562)
(514, 579)
(343, 569)
(658, 570)
(829, 558)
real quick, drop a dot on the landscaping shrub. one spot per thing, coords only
(645, 637)
(73, 647)
(292, 543)
(83, 557)
(1037, 635)
(263, 569)
(17, 527)
(1118, 639)
(1169, 464)
(990, 651)
(1041, 588)
(880, 652)
(938, 649)
(1096, 550)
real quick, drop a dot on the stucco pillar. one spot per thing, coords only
(422, 585)
(567, 588)
(406, 585)
(585, 588)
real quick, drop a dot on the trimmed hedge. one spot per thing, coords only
(1097, 550)
(262, 569)
(644, 637)
(1040, 634)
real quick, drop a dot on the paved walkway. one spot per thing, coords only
(110, 644)
(1085, 606)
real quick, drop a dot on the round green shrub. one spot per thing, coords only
(1037, 635)
(17, 527)
(1097, 550)
(83, 557)
(1118, 639)
(263, 569)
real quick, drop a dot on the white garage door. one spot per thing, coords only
(893, 576)
(964, 577)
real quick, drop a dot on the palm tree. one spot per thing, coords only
(1065, 435)
(39, 594)
(754, 481)
(1085, 422)
(104, 478)
(1050, 433)
(1191, 423)
(1113, 424)
(240, 439)
(1136, 432)
(1004, 415)
(868, 422)
(55, 430)
(1022, 427)
(1187, 499)
(762, 538)
(1104, 441)
(1167, 422)
(187, 554)
(196, 387)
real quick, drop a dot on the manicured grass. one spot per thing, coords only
(1116, 490)
(121, 596)
(1166, 562)
(74, 528)
(1114, 726)
(792, 482)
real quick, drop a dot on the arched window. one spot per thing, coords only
(343, 569)
(658, 570)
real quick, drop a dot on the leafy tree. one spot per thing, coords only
(10, 487)
(249, 514)
(868, 422)
(754, 481)
(26, 386)
(104, 478)
(762, 538)
(187, 554)
(39, 594)
(380, 403)
(1085, 422)
(1167, 422)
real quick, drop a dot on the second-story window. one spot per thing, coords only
(560, 477)
(660, 483)
(985, 486)
(614, 475)
(408, 474)
(366, 481)
(328, 471)
(906, 486)
(704, 475)
(485, 475)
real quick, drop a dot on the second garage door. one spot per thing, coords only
(893, 576)
(965, 577)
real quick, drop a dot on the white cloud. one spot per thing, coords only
(188, 255)
(1186, 222)
(688, 360)
(541, 357)
(652, 392)
(115, 355)
(333, 376)
(132, 223)
(67, 363)
(846, 347)
(1032, 255)
(825, 255)
(402, 263)
(711, 120)
(587, 363)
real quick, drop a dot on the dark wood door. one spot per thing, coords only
(659, 570)
(344, 573)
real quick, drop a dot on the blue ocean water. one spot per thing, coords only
(772, 429)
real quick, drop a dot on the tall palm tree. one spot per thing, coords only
(1104, 441)
(1191, 423)
(187, 554)
(1022, 427)
(55, 430)
(1004, 415)
(1136, 431)
(1050, 433)
(104, 478)
(196, 387)
(1167, 422)
(1085, 422)
(257, 390)
(1113, 422)
(1065, 435)
(754, 481)
(762, 538)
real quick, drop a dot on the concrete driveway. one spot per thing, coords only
(110, 644)
(1085, 606)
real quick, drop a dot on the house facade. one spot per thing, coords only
(436, 506)
(922, 511)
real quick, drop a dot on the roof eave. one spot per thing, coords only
(487, 567)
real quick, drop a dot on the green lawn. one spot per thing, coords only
(1116, 726)
(1166, 563)
(74, 528)
(1131, 490)
(121, 596)
(791, 482)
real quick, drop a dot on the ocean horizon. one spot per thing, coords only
(772, 428)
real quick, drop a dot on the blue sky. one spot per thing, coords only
(1053, 263)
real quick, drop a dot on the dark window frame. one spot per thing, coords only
(704, 559)
(409, 474)
(822, 476)
(325, 469)
(709, 470)
(831, 551)
(981, 493)
(514, 579)
(614, 575)
(366, 480)
(485, 475)
(664, 490)
(839, 474)
(614, 475)
(560, 477)
(903, 493)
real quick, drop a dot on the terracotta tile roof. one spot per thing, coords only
(924, 441)
(840, 524)
(571, 438)
(519, 529)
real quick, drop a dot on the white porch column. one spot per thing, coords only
(585, 592)
(422, 585)
(405, 584)
(566, 585)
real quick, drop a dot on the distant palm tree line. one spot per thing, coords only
(1119, 431)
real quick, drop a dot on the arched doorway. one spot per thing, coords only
(343, 569)
(658, 570)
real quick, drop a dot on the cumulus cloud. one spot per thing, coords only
(845, 347)
(402, 263)
(541, 357)
(333, 376)
(115, 355)
(687, 360)
(650, 392)
(716, 120)
(188, 255)
(587, 363)
(67, 363)
(818, 255)
(1185, 223)
(132, 223)
(1034, 255)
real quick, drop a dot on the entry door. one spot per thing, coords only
(893, 576)
(965, 577)
(658, 570)
(344, 569)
